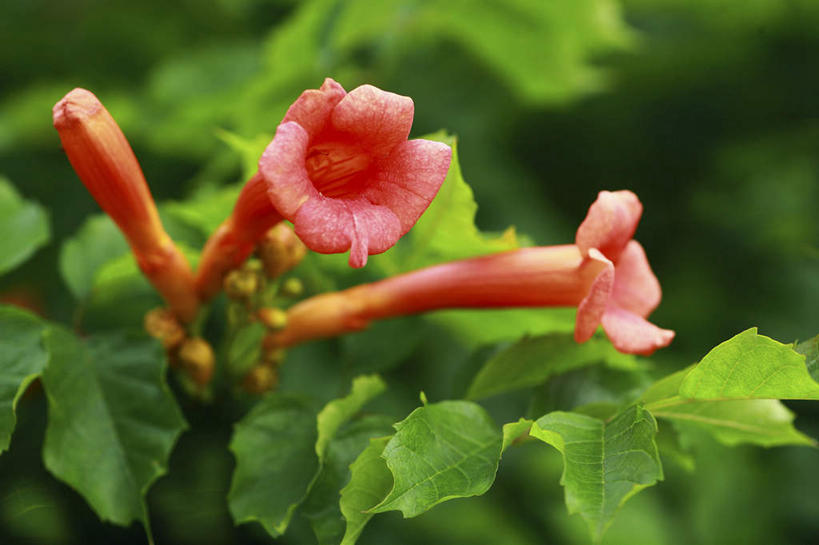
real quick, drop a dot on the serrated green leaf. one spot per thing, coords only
(514, 430)
(810, 349)
(764, 422)
(24, 225)
(321, 507)
(605, 462)
(532, 360)
(370, 482)
(276, 462)
(112, 420)
(750, 366)
(440, 451)
(97, 242)
(339, 411)
(22, 360)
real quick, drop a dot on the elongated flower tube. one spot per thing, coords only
(104, 161)
(341, 169)
(619, 292)
(237, 236)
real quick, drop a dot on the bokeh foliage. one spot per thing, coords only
(706, 109)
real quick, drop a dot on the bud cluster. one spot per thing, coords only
(193, 355)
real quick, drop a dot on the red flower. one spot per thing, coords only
(341, 169)
(606, 275)
(105, 163)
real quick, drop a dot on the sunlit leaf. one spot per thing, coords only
(22, 359)
(532, 360)
(515, 430)
(605, 462)
(112, 420)
(750, 366)
(24, 225)
(440, 451)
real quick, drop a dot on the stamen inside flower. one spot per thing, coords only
(336, 168)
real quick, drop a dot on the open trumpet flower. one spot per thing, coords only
(104, 161)
(605, 275)
(342, 170)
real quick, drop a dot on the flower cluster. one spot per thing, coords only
(342, 170)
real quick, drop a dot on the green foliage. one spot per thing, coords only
(97, 242)
(339, 411)
(22, 359)
(370, 482)
(24, 224)
(440, 451)
(750, 366)
(112, 420)
(605, 462)
(532, 360)
(276, 462)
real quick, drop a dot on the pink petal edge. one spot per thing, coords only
(313, 108)
(378, 120)
(610, 223)
(632, 334)
(409, 178)
(591, 309)
(636, 289)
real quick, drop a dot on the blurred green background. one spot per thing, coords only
(708, 110)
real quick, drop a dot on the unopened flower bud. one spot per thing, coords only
(273, 357)
(241, 284)
(292, 287)
(161, 324)
(281, 250)
(273, 318)
(260, 379)
(196, 357)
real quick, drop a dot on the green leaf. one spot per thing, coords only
(276, 461)
(97, 242)
(370, 482)
(112, 420)
(446, 231)
(532, 360)
(206, 211)
(321, 507)
(810, 349)
(245, 349)
(750, 366)
(514, 430)
(339, 411)
(22, 359)
(477, 327)
(605, 462)
(24, 225)
(440, 451)
(764, 422)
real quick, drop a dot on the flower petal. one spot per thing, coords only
(631, 334)
(409, 178)
(610, 223)
(335, 225)
(283, 167)
(591, 309)
(378, 120)
(313, 107)
(636, 289)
